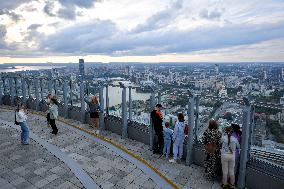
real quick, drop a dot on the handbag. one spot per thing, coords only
(16, 123)
(210, 148)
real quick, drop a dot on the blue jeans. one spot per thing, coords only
(167, 147)
(25, 132)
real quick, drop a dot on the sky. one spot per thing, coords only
(35, 31)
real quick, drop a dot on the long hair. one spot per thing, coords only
(94, 100)
(236, 128)
(229, 131)
(180, 117)
(19, 106)
(213, 124)
(54, 100)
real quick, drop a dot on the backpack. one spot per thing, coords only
(16, 123)
(210, 148)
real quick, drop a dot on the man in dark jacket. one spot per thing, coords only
(157, 121)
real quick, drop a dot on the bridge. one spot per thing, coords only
(121, 156)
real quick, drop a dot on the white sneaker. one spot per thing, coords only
(97, 131)
(172, 161)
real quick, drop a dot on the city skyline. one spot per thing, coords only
(158, 31)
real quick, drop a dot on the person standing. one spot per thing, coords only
(237, 133)
(49, 96)
(53, 110)
(95, 108)
(211, 140)
(157, 121)
(229, 146)
(178, 138)
(21, 118)
(168, 133)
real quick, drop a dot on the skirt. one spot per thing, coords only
(94, 115)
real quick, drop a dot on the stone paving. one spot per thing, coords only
(187, 177)
(31, 166)
(108, 169)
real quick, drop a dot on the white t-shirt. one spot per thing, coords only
(21, 116)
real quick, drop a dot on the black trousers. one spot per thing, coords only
(48, 118)
(159, 144)
(53, 126)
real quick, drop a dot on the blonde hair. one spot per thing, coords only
(94, 100)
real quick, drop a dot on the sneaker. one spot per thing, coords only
(172, 161)
(225, 186)
(231, 186)
(97, 132)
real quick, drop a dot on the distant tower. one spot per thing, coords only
(282, 74)
(264, 75)
(217, 69)
(82, 68)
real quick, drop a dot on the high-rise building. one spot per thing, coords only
(282, 74)
(217, 69)
(82, 68)
(265, 75)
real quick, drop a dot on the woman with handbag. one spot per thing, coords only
(211, 140)
(53, 110)
(21, 119)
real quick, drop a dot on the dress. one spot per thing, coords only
(212, 161)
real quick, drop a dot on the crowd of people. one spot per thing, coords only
(222, 148)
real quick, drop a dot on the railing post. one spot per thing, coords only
(196, 129)
(50, 84)
(159, 98)
(41, 89)
(130, 104)
(71, 93)
(65, 99)
(83, 106)
(12, 92)
(152, 104)
(29, 88)
(107, 101)
(1, 95)
(251, 129)
(36, 93)
(244, 146)
(101, 98)
(55, 86)
(189, 146)
(16, 86)
(124, 113)
(24, 91)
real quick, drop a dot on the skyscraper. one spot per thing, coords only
(81, 68)
(217, 69)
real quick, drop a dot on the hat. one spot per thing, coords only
(159, 106)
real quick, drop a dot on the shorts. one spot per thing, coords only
(94, 115)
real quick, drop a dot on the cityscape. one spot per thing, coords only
(219, 86)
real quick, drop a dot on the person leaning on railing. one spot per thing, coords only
(95, 108)
(157, 121)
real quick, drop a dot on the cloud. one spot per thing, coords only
(68, 10)
(34, 26)
(11, 4)
(48, 9)
(103, 37)
(210, 15)
(15, 17)
(3, 32)
(161, 18)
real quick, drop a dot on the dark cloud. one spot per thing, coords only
(68, 10)
(103, 37)
(3, 32)
(34, 26)
(210, 15)
(48, 8)
(161, 18)
(15, 17)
